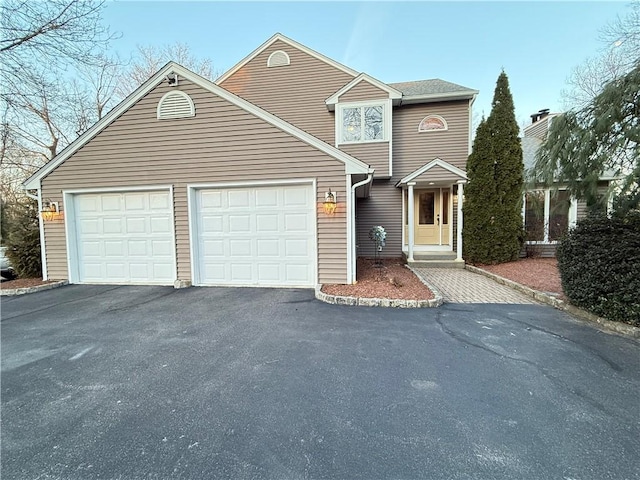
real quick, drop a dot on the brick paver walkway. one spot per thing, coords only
(462, 286)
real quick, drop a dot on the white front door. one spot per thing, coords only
(260, 236)
(124, 238)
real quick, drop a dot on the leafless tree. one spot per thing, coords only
(620, 52)
(149, 59)
(56, 80)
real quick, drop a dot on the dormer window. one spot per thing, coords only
(432, 123)
(278, 58)
(362, 123)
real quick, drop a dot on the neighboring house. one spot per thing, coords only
(193, 182)
(548, 213)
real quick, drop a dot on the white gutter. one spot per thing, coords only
(352, 246)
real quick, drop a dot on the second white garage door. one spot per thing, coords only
(262, 236)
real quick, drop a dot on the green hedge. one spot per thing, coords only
(599, 263)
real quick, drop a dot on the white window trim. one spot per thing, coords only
(572, 214)
(275, 53)
(386, 120)
(439, 117)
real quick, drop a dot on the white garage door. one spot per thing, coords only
(262, 236)
(125, 237)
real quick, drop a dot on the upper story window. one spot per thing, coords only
(432, 123)
(362, 123)
(278, 58)
(175, 104)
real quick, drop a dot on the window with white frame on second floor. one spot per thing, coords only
(362, 123)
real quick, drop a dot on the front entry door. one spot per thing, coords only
(431, 217)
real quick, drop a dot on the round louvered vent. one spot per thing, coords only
(176, 104)
(278, 59)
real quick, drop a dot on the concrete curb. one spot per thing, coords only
(382, 302)
(25, 290)
(599, 322)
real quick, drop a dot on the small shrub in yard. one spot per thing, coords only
(23, 239)
(599, 263)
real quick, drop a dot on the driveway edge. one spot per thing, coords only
(602, 323)
(379, 302)
(39, 288)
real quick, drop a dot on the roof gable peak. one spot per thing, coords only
(280, 37)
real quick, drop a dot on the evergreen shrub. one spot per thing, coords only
(599, 263)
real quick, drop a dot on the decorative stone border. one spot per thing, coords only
(38, 288)
(555, 302)
(382, 302)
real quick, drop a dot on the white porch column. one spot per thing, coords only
(411, 221)
(460, 220)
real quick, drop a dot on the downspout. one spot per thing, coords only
(353, 223)
(43, 253)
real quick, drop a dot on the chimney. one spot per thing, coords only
(539, 115)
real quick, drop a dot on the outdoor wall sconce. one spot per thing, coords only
(329, 202)
(50, 211)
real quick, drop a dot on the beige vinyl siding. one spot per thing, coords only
(538, 129)
(222, 143)
(361, 92)
(375, 154)
(383, 207)
(413, 149)
(296, 93)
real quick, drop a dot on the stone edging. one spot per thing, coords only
(542, 297)
(381, 302)
(38, 288)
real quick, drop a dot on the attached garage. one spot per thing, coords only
(122, 237)
(254, 235)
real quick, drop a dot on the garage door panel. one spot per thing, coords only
(239, 223)
(267, 197)
(296, 222)
(238, 198)
(122, 239)
(256, 236)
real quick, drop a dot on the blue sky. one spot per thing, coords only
(537, 43)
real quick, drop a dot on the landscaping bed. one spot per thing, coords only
(23, 283)
(391, 279)
(538, 273)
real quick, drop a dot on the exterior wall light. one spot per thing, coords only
(329, 202)
(50, 211)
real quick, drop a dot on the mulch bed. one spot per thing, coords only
(390, 280)
(538, 273)
(23, 283)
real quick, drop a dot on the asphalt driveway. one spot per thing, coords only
(201, 383)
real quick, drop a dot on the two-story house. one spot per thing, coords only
(271, 176)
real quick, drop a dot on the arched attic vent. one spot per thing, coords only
(278, 59)
(175, 104)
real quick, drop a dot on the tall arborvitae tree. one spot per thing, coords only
(479, 227)
(509, 173)
(493, 230)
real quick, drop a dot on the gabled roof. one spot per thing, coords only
(394, 94)
(432, 90)
(352, 164)
(293, 43)
(436, 162)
